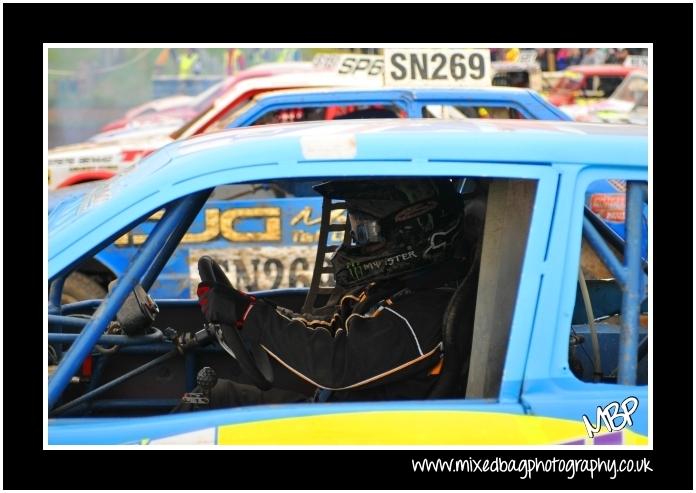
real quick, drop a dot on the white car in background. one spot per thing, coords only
(627, 104)
(163, 127)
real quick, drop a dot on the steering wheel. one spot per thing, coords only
(251, 357)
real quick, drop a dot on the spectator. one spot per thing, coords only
(512, 54)
(498, 54)
(188, 64)
(235, 61)
(162, 61)
(593, 56)
(543, 58)
(637, 51)
(562, 56)
(618, 56)
(574, 56)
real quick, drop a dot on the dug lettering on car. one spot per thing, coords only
(261, 245)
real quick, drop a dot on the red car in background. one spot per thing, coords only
(184, 108)
(582, 84)
(98, 160)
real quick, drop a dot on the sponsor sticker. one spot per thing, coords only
(609, 206)
(98, 195)
(205, 436)
(328, 146)
(261, 268)
(349, 65)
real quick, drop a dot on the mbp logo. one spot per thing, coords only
(608, 416)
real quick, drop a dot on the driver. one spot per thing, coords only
(382, 339)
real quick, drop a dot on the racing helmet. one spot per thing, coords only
(398, 227)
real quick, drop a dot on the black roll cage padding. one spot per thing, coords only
(457, 335)
(458, 319)
(327, 207)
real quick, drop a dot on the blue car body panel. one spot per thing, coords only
(182, 167)
(563, 158)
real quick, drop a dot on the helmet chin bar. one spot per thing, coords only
(357, 265)
(373, 247)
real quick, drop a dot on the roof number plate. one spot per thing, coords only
(437, 67)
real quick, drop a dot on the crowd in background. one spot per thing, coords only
(89, 87)
(551, 59)
(190, 62)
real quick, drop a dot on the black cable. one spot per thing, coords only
(643, 348)
(584, 351)
(52, 355)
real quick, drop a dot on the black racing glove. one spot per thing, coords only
(223, 304)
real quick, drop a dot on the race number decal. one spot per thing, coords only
(261, 268)
(437, 67)
(348, 65)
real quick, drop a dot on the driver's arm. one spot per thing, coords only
(367, 348)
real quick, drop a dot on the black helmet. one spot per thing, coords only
(398, 227)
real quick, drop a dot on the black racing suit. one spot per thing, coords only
(382, 342)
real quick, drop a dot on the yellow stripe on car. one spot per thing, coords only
(411, 428)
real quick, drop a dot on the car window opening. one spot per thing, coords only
(275, 270)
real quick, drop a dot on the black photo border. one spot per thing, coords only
(28, 26)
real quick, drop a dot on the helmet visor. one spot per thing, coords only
(364, 229)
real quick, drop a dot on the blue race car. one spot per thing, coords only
(131, 357)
